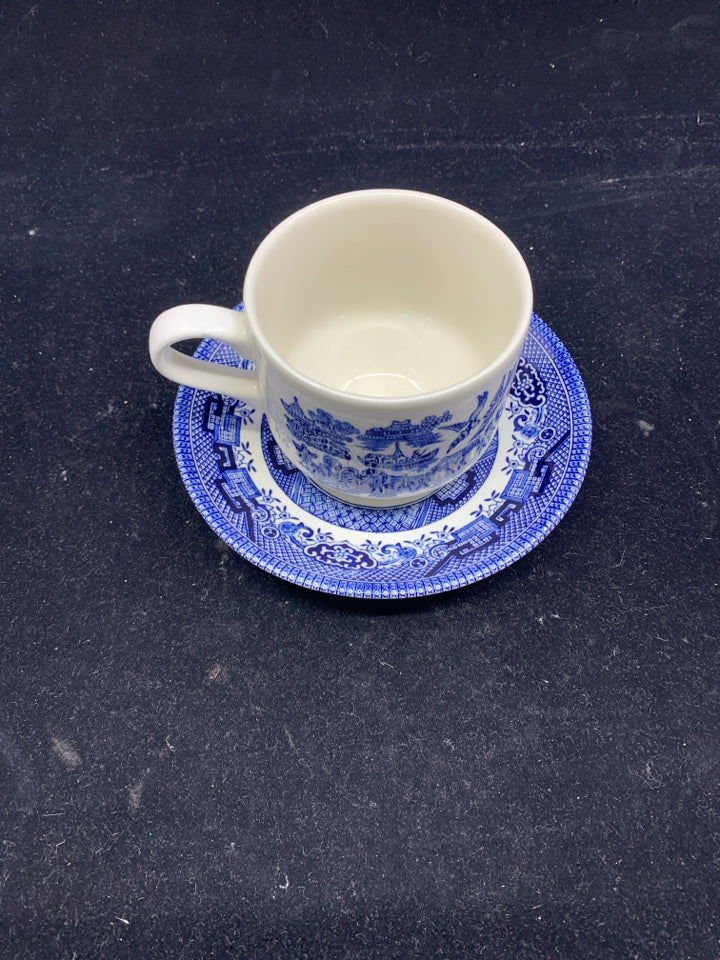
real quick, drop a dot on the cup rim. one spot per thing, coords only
(460, 388)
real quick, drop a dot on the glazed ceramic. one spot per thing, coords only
(380, 335)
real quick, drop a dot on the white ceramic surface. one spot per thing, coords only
(380, 334)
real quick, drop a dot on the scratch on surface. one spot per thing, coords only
(649, 778)
(217, 673)
(109, 411)
(531, 169)
(68, 755)
(135, 796)
(292, 743)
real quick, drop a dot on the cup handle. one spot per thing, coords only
(194, 320)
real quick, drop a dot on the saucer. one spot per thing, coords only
(495, 513)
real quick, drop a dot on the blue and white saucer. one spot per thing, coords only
(267, 511)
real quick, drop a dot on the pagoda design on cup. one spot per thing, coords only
(400, 457)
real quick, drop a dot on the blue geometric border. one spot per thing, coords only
(277, 519)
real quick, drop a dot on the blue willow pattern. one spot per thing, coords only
(489, 516)
(269, 515)
(398, 458)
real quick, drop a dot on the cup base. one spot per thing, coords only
(379, 503)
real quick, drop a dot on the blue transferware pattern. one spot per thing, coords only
(256, 500)
(401, 457)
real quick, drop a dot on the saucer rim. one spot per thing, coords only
(526, 541)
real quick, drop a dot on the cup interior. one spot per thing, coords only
(388, 293)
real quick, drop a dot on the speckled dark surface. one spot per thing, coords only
(198, 760)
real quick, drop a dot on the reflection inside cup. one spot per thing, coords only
(388, 294)
(385, 354)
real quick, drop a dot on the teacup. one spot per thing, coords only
(380, 333)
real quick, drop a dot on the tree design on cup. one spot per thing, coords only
(403, 456)
(319, 430)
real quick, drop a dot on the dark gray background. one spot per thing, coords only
(199, 760)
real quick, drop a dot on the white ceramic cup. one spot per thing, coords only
(383, 329)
